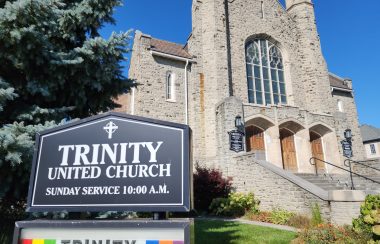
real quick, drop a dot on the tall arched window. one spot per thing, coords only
(340, 106)
(265, 73)
(170, 88)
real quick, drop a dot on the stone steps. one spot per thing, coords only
(326, 183)
(341, 182)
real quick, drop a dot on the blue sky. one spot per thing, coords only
(349, 30)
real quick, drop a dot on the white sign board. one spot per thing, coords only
(102, 232)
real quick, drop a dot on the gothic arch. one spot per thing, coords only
(260, 121)
(320, 128)
(292, 125)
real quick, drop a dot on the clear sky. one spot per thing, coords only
(349, 30)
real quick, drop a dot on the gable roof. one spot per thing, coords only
(370, 133)
(169, 48)
(336, 81)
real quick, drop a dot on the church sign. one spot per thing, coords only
(112, 162)
(347, 149)
(236, 141)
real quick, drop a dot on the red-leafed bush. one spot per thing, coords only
(209, 184)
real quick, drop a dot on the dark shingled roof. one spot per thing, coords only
(169, 48)
(370, 133)
(338, 82)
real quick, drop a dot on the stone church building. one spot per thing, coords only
(263, 62)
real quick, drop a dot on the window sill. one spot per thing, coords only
(269, 106)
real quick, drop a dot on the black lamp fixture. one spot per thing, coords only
(348, 134)
(239, 124)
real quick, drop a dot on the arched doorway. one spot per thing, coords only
(317, 150)
(257, 128)
(255, 140)
(288, 150)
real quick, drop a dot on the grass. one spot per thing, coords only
(220, 232)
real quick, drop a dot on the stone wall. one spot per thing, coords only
(296, 35)
(342, 213)
(276, 188)
(348, 119)
(150, 73)
(360, 169)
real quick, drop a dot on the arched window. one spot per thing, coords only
(170, 88)
(340, 106)
(265, 73)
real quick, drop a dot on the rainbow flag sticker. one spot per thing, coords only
(37, 241)
(42, 241)
(163, 242)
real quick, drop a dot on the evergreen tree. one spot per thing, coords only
(53, 65)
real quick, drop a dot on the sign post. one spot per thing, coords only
(112, 162)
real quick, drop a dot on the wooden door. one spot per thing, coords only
(317, 150)
(288, 150)
(255, 139)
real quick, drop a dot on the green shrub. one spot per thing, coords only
(327, 233)
(369, 220)
(245, 201)
(316, 216)
(280, 216)
(237, 204)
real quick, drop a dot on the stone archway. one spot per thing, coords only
(317, 134)
(255, 136)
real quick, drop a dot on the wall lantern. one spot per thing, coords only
(239, 124)
(348, 134)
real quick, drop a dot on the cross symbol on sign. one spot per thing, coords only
(110, 128)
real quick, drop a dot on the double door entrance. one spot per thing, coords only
(255, 142)
(289, 153)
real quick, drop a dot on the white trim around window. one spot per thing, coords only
(170, 86)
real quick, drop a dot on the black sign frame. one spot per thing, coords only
(88, 224)
(347, 148)
(186, 170)
(236, 145)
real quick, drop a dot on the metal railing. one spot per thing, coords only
(314, 159)
(348, 163)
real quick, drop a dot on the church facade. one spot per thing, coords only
(252, 59)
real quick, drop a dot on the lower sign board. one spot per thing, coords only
(112, 162)
(236, 141)
(102, 232)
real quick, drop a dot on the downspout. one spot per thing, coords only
(186, 95)
(228, 37)
(133, 102)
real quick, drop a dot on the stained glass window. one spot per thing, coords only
(265, 73)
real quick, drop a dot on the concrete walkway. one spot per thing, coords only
(250, 222)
